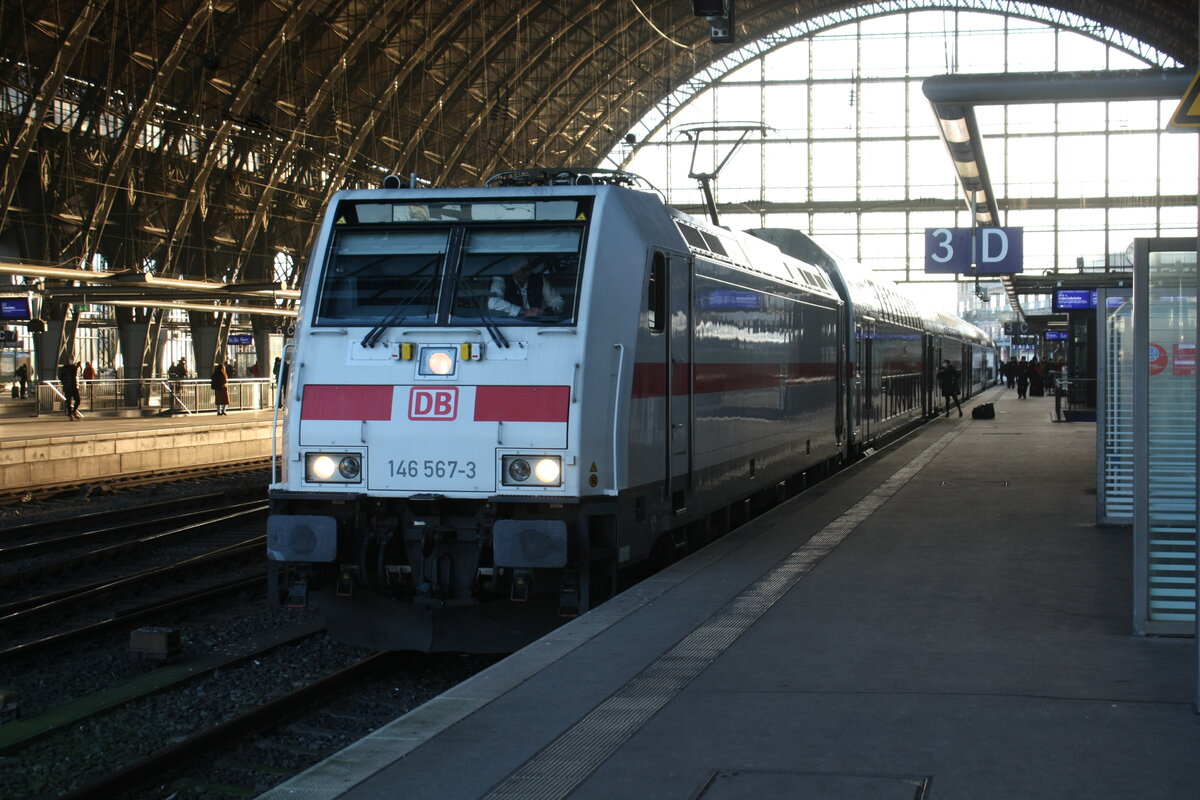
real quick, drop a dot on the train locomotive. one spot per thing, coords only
(500, 400)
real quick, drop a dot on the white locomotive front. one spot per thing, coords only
(444, 445)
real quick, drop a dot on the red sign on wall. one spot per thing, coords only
(1158, 358)
(1185, 359)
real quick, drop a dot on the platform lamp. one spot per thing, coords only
(720, 18)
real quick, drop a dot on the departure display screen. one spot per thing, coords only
(1074, 299)
(14, 308)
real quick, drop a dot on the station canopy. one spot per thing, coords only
(199, 139)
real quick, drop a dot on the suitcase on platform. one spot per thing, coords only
(984, 411)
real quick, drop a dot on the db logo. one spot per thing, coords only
(433, 403)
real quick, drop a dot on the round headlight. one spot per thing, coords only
(349, 467)
(518, 469)
(547, 470)
(323, 467)
(441, 363)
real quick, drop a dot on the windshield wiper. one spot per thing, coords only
(484, 314)
(395, 317)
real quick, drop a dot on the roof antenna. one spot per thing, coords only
(706, 179)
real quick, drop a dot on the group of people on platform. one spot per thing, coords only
(1033, 377)
(71, 375)
(1028, 377)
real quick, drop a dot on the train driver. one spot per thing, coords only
(517, 296)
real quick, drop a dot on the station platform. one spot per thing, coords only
(39, 452)
(942, 620)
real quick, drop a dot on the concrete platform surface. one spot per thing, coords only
(20, 428)
(943, 621)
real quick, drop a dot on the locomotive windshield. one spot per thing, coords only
(510, 263)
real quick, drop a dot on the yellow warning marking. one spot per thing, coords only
(593, 469)
(581, 218)
(1187, 115)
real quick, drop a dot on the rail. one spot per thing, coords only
(155, 395)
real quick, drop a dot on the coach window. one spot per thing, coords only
(656, 310)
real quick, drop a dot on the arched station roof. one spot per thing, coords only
(198, 138)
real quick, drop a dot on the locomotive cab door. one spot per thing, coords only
(679, 381)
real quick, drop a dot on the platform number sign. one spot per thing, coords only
(997, 251)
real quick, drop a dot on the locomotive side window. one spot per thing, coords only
(378, 273)
(656, 312)
(519, 275)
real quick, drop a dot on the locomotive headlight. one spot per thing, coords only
(518, 470)
(333, 467)
(532, 470)
(441, 363)
(350, 467)
(321, 468)
(548, 471)
(437, 362)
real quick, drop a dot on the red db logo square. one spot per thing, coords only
(433, 403)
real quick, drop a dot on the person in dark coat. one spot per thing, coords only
(23, 379)
(1037, 378)
(68, 377)
(1010, 373)
(1023, 373)
(220, 386)
(947, 378)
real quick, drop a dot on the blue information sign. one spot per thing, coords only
(240, 338)
(947, 250)
(1074, 299)
(14, 308)
(998, 251)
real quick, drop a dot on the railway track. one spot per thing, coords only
(88, 546)
(264, 745)
(162, 765)
(23, 539)
(25, 495)
(246, 702)
(217, 555)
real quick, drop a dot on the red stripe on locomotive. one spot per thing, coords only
(347, 402)
(522, 403)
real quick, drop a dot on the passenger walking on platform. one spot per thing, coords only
(68, 377)
(947, 377)
(220, 385)
(1010, 372)
(1022, 379)
(23, 379)
(1037, 378)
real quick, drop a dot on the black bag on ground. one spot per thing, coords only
(984, 411)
